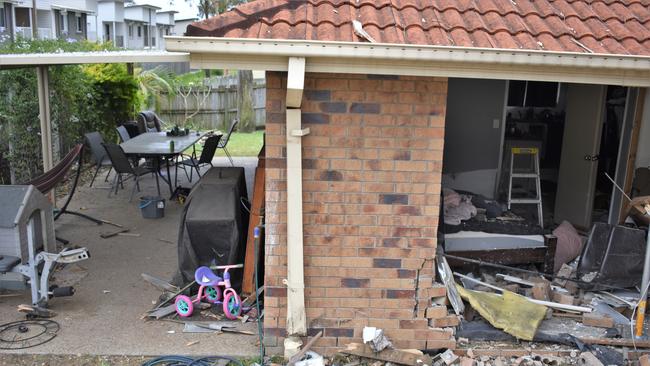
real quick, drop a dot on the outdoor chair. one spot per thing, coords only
(224, 142)
(95, 141)
(123, 166)
(148, 121)
(209, 148)
(123, 133)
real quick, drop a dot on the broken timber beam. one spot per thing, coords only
(616, 342)
(388, 355)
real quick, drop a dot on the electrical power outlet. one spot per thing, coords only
(495, 123)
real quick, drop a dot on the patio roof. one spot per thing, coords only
(100, 57)
(41, 61)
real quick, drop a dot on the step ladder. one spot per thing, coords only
(533, 152)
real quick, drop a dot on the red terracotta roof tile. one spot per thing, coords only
(600, 26)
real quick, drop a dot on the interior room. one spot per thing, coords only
(567, 143)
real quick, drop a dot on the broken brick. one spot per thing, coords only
(437, 291)
(563, 298)
(644, 360)
(436, 312)
(466, 361)
(446, 321)
(542, 291)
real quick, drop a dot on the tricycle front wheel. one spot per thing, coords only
(232, 305)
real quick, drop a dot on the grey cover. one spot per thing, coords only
(11, 201)
(214, 225)
(614, 255)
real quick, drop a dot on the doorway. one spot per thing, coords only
(107, 32)
(578, 129)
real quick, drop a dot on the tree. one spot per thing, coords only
(208, 8)
(153, 85)
(245, 110)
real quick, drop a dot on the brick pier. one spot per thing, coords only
(371, 179)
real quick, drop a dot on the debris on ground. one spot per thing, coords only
(376, 339)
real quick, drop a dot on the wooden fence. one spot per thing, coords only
(213, 105)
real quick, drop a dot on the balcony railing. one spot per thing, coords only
(45, 33)
(25, 32)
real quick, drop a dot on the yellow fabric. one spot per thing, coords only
(512, 313)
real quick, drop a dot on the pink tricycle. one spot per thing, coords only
(210, 289)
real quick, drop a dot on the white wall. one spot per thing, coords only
(643, 150)
(181, 26)
(473, 129)
(106, 12)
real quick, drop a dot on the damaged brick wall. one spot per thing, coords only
(371, 180)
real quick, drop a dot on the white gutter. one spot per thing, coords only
(420, 60)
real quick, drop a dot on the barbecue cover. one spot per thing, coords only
(214, 225)
(613, 256)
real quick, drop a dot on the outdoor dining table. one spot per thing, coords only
(157, 147)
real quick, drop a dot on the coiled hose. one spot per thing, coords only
(188, 361)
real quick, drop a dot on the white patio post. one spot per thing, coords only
(44, 115)
(296, 322)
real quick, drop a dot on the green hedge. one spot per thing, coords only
(83, 98)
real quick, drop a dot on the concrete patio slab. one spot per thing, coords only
(104, 316)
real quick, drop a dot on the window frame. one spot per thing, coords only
(3, 19)
(80, 27)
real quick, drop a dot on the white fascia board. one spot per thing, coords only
(70, 58)
(350, 57)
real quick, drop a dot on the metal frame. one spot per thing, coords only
(37, 270)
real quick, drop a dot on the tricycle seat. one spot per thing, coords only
(205, 277)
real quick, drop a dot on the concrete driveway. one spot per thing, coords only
(104, 316)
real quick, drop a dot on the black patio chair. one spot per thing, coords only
(209, 148)
(122, 165)
(148, 121)
(224, 142)
(123, 133)
(95, 141)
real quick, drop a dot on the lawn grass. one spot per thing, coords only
(241, 144)
(244, 144)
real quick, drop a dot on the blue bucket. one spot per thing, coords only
(152, 207)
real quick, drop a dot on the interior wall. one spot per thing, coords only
(643, 150)
(473, 130)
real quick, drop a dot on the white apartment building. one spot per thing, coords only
(67, 19)
(131, 26)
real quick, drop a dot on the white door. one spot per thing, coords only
(580, 145)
